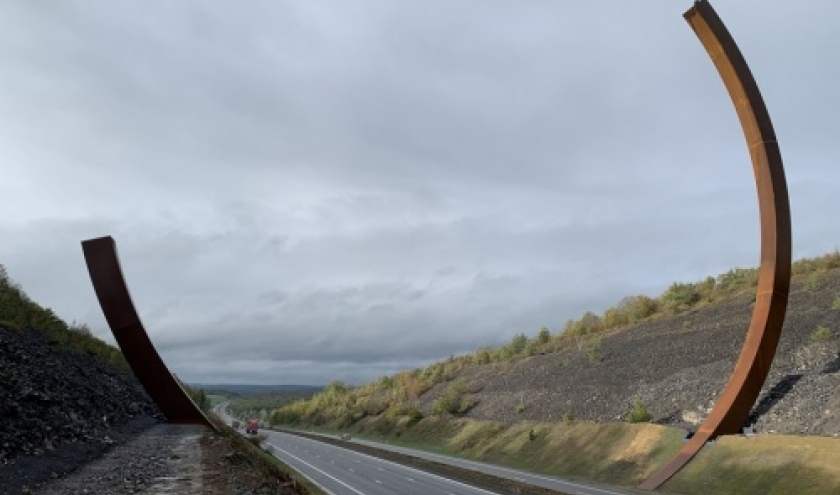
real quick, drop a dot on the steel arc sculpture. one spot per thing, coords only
(738, 397)
(109, 284)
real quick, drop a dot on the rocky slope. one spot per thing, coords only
(677, 367)
(60, 408)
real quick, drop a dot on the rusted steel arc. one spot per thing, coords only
(106, 275)
(738, 397)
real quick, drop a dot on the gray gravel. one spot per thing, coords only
(164, 459)
(677, 367)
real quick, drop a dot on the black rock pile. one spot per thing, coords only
(60, 408)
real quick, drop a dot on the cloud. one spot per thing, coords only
(303, 192)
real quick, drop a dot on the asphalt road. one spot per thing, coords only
(551, 482)
(340, 471)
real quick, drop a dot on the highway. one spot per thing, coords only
(340, 471)
(551, 482)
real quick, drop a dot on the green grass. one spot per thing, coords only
(765, 464)
(822, 334)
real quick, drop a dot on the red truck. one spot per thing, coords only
(252, 426)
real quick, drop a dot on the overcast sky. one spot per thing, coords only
(304, 190)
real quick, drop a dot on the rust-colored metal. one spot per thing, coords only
(106, 275)
(738, 397)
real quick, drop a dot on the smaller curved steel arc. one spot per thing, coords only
(109, 284)
(738, 397)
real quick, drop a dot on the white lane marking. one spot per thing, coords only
(490, 466)
(316, 469)
(411, 480)
(470, 487)
(322, 487)
(378, 481)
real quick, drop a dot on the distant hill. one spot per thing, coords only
(249, 389)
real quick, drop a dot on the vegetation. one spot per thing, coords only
(344, 405)
(19, 312)
(197, 395)
(277, 474)
(836, 304)
(260, 405)
(639, 413)
(822, 334)
(766, 464)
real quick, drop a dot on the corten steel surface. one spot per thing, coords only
(106, 275)
(738, 397)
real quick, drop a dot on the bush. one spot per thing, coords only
(454, 401)
(822, 334)
(544, 336)
(637, 308)
(639, 413)
(812, 283)
(681, 297)
(834, 305)
(593, 350)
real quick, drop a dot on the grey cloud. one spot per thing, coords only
(324, 190)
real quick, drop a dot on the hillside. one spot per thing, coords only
(666, 357)
(65, 396)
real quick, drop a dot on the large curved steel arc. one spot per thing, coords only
(738, 397)
(106, 275)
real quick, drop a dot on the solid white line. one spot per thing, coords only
(454, 460)
(316, 469)
(322, 487)
(421, 471)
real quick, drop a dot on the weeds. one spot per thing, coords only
(639, 413)
(821, 334)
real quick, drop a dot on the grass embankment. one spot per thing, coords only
(615, 453)
(626, 454)
(765, 464)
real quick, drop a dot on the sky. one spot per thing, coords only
(303, 191)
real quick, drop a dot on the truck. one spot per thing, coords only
(252, 426)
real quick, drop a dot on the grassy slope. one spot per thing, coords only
(765, 464)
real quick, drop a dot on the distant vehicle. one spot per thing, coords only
(235, 423)
(252, 426)
(345, 436)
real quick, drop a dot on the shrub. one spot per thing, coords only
(680, 297)
(639, 413)
(593, 350)
(518, 344)
(568, 417)
(836, 303)
(822, 334)
(737, 279)
(812, 283)
(637, 308)
(544, 336)
(454, 401)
